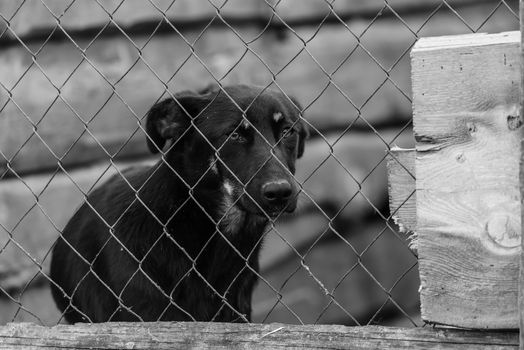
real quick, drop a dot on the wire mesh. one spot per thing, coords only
(343, 263)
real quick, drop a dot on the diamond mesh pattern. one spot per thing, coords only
(345, 265)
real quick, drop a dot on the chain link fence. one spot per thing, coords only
(78, 78)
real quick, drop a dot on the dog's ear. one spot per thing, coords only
(170, 118)
(303, 130)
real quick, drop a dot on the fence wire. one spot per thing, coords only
(352, 289)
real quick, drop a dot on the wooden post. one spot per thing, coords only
(466, 94)
(466, 105)
(521, 180)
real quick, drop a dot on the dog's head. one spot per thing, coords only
(242, 139)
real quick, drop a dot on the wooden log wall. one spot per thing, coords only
(81, 103)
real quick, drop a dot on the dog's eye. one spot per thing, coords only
(287, 131)
(235, 136)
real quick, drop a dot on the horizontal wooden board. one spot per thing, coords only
(34, 17)
(293, 10)
(26, 18)
(110, 93)
(466, 121)
(106, 92)
(182, 335)
(351, 181)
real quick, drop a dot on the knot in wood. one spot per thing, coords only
(514, 122)
(471, 127)
(503, 233)
(460, 158)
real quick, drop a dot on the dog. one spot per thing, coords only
(179, 240)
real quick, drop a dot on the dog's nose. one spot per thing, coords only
(277, 192)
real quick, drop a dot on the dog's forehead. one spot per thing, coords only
(251, 97)
(249, 107)
(266, 116)
(267, 107)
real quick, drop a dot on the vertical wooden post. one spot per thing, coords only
(521, 278)
(465, 119)
(521, 284)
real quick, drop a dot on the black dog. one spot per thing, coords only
(180, 240)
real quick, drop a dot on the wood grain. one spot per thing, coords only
(401, 189)
(183, 335)
(521, 181)
(466, 121)
(106, 92)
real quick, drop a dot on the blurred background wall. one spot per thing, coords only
(76, 78)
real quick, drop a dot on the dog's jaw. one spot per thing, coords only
(232, 217)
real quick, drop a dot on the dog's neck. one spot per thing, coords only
(217, 238)
(211, 204)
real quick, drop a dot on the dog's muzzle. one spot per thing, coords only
(277, 196)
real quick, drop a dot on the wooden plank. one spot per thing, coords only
(29, 17)
(34, 17)
(325, 179)
(296, 10)
(468, 201)
(521, 181)
(182, 335)
(88, 93)
(355, 78)
(401, 189)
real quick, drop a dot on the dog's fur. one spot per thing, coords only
(147, 247)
